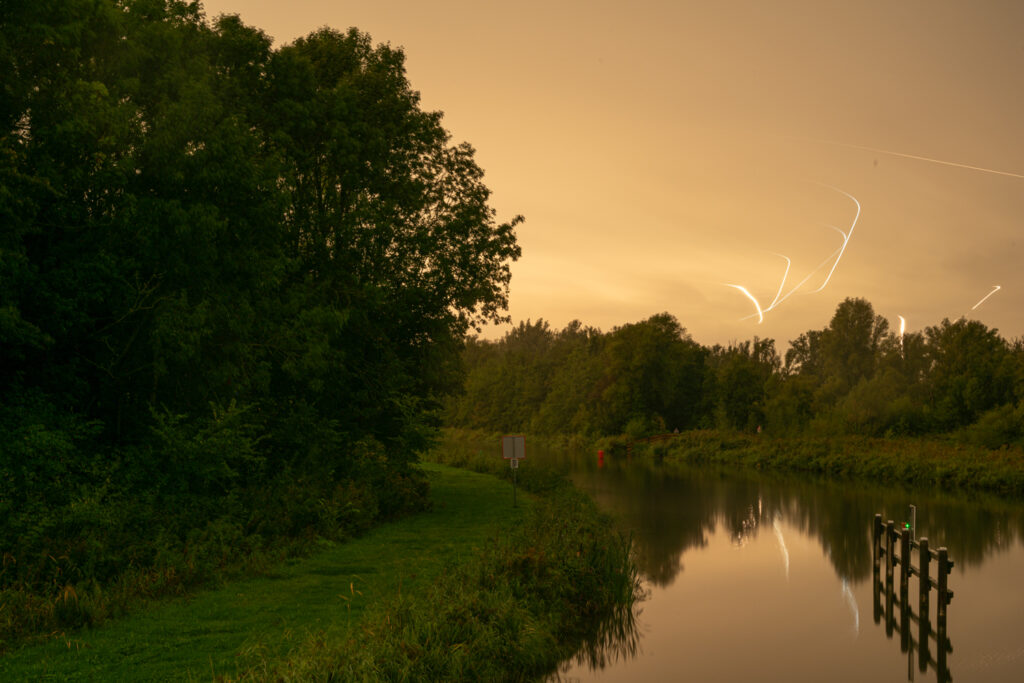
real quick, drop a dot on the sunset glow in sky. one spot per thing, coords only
(664, 151)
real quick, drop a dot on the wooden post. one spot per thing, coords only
(923, 633)
(941, 639)
(876, 590)
(924, 583)
(904, 616)
(876, 541)
(942, 579)
(904, 559)
(888, 547)
(890, 612)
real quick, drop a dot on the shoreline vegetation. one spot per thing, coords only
(948, 464)
(910, 461)
(470, 589)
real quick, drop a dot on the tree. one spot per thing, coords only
(851, 346)
(653, 370)
(222, 263)
(968, 374)
(743, 374)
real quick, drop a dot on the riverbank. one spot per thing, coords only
(473, 588)
(937, 463)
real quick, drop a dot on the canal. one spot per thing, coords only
(760, 577)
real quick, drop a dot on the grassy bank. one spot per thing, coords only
(910, 461)
(472, 588)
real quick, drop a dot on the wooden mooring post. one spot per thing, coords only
(895, 547)
(884, 545)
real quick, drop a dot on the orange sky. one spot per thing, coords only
(662, 150)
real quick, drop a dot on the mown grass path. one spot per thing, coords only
(222, 631)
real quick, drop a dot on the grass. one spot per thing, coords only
(227, 631)
(562, 583)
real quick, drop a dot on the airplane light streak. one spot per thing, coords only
(920, 158)
(995, 289)
(846, 235)
(903, 329)
(781, 284)
(760, 313)
(838, 254)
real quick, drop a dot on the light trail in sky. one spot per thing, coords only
(783, 283)
(782, 543)
(852, 602)
(920, 158)
(995, 289)
(760, 313)
(903, 329)
(798, 286)
(838, 254)
(846, 235)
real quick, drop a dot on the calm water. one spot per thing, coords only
(766, 578)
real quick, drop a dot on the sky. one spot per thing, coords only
(667, 153)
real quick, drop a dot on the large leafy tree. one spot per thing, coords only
(968, 371)
(204, 237)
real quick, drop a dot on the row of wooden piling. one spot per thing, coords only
(895, 547)
(885, 539)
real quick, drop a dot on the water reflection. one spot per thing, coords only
(902, 627)
(617, 639)
(683, 516)
(671, 512)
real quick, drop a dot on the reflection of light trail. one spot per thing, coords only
(913, 156)
(781, 284)
(997, 288)
(760, 313)
(782, 543)
(852, 601)
(846, 236)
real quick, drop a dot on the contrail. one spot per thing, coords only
(996, 289)
(919, 158)
(782, 543)
(760, 313)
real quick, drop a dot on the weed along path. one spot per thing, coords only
(223, 631)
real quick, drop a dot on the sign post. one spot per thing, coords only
(513, 449)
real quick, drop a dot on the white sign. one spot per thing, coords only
(513, 447)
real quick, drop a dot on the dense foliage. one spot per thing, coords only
(234, 281)
(855, 376)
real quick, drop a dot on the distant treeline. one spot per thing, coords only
(855, 376)
(234, 284)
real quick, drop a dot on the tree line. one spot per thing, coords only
(234, 282)
(855, 376)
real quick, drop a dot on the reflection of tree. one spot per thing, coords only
(666, 515)
(671, 512)
(616, 639)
